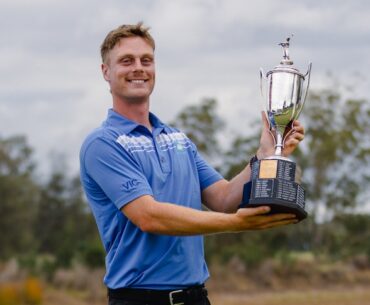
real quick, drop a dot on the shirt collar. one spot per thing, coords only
(128, 125)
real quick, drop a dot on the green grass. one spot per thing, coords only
(357, 296)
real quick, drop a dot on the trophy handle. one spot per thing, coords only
(265, 110)
(262, 76)
(263, 89)
(308, 74)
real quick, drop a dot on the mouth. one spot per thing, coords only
(137, 81)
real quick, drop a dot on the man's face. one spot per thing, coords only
(130, 70)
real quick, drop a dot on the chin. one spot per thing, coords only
(137, 99)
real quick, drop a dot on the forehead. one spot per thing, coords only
(136, 46)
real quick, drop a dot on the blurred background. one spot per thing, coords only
(208, 55)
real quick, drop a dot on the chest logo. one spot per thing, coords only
(179, 146)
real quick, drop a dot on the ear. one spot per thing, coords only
(105, 71)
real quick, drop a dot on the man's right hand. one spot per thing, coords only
(257, 218)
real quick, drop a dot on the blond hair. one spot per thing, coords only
(124, 31)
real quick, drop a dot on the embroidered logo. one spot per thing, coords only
(129, 185)
(179, 146)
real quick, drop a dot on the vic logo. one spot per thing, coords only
(130, 184)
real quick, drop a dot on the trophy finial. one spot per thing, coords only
(286, 59)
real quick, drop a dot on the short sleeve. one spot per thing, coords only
(207, 174)
(115, 172)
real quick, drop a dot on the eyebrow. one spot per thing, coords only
(133, 56)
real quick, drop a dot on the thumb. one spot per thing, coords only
(265, 120)
(256, 211)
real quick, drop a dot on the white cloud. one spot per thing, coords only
(52, 91)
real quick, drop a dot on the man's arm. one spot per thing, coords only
(169, 219)
(226, 196)
(223, 196)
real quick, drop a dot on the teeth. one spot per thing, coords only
(137, 81)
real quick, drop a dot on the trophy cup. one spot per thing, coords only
(275, 180)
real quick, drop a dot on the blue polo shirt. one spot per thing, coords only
(121, 161)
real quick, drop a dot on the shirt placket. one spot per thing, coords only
(163, 154)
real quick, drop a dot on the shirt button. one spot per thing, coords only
(163, 159)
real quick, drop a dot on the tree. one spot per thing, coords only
(201, 124)
(237, 157)
(64, 225)
(335, 154)
(18, 196)
(42, 218)
(334, 158)
(346, 236)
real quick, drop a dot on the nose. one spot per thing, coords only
(138, 65)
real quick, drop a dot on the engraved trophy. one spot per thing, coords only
(274, 180)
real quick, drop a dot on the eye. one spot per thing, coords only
(126, 61)
(146, 61)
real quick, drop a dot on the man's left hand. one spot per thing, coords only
(294, 135)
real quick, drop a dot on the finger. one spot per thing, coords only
(295, 136)
(292, 143)
(271, 219)
(255, 211)
(282, 216)
(299, 136)
(279, 223)
(297, 127)
(298, 130)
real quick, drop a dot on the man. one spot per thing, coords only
(145, 183)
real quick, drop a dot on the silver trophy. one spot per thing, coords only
(275, 179)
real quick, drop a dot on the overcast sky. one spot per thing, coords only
(52, 91)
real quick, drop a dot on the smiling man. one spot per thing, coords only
(145, 182)
(128, 67)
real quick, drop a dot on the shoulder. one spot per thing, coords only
(98, 134)
(100, 141)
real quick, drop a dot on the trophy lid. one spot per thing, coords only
(286, 59)
(286, 64)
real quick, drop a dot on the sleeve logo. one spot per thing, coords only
(130, 185)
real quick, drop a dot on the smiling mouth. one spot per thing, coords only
(137, 81)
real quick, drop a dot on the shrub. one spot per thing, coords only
(26, 292)
(32, 291)
(9, 294)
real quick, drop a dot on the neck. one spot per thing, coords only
(137, 111)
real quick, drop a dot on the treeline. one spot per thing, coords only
(47, 224)
(334, 160)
